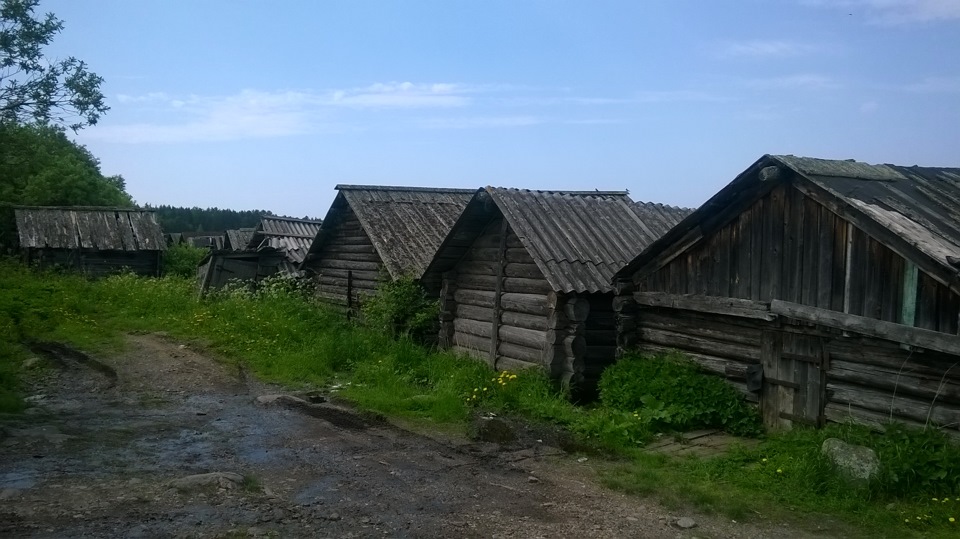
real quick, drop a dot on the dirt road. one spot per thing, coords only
(107, 444)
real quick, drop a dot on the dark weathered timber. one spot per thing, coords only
(719, 305)
(923, 338)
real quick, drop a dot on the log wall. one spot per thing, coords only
(347, 267)
(97, 263)
(495, 307)
(787, 246)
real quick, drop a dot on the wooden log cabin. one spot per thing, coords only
(95, 241)
(376, 232)
(826, 290)
(276, 245)
(524, 277)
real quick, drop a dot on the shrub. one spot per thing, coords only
(400, 307)
(669, 392)
(182, 260)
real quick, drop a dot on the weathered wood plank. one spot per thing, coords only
(718, 305)
(698, 344)
(922, 338)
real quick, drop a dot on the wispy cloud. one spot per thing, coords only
(765, 49)
(895, 12)
(936, 85)
(803, 81)
(160, 117)
(479, 122)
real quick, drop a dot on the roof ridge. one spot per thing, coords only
(353, 187)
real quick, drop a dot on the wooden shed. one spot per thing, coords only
(373, 232)
(276, 245)
(95, 241)
(827, 290)
(524, 276)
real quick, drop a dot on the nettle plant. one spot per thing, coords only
(671, 393)
(400, 307)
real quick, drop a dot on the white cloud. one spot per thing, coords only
(895, 12)
(765, 49)
(804, 81)
(401, 95)
(869, 107)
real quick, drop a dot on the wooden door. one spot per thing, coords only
(794, 379)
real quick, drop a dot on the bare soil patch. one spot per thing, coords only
(104, 455)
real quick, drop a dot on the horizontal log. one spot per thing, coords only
(683, 342)
(352, 257)
(480, 344)
(363, 275)
(344, 247)
(928, 365)
(477, 267)
(923, 338)
(473, 327)
(510, 284)
(521, 353)
(576, 309)
(898, 406)
(474, 312)
(481, 298)
(709, 328)
(743, 308)
(323, 263)
(845, 413)
(508, 318)
(899, 381)
(530, 338)
(524, 303)
(356, 284)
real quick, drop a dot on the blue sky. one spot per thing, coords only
(248, 104)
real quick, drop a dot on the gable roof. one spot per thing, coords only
(237, 239)
(105, 229)
(405, 224)
(285, 234)
(578, 239)
(915, 211)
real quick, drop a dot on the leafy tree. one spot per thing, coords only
(40, 166)
(35, 89)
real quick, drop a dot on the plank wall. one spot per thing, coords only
(98, 263)
(787, 246)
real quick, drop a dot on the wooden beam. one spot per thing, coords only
(908, 309)
(922, 338)
(498, 292)
(744, 308)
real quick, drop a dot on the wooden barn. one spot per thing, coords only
(375, 232)
(828, 290)
(524, 276)
(95, 241)
(276, 245)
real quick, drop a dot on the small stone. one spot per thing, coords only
(856, 463)
(333, 516)
(182, 347)
(30, 363)
(533, 479)
(582, 459)
(685, 523)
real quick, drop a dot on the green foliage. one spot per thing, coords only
(671, 393)
(182, 260)
(917, 462)
(400, 307)
(41, 166)
(36, 89)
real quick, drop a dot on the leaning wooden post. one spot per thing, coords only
(625, 313)
(447, 309)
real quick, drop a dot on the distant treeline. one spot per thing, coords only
(174, 219)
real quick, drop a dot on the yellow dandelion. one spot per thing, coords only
(779, 470)
(764, 460)
(484, 389)
(934, 499)
(951, 519)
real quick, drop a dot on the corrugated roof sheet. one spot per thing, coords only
(580, 239)
(920, 204)
(290, 236)
(405, 224)
(105, 229)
